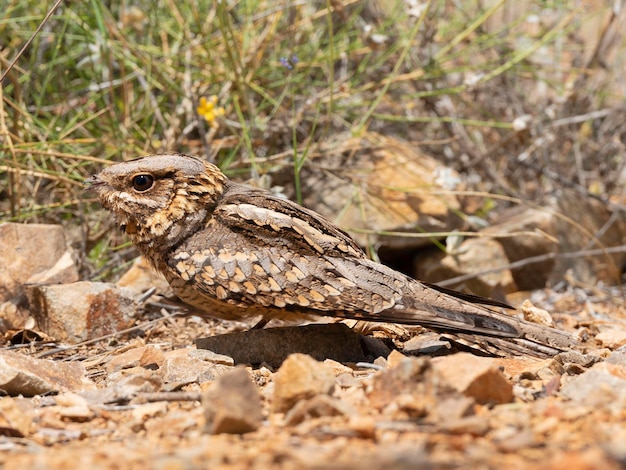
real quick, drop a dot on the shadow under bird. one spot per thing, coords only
(234, 252)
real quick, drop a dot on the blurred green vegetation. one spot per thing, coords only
(476, 84)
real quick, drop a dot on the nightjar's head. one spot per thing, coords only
(159, 199)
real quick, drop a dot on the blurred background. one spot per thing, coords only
(453, 139)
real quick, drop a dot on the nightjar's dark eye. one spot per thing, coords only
(142, 183)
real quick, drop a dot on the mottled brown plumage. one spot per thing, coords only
(235, 252)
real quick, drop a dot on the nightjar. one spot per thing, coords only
(235, 252)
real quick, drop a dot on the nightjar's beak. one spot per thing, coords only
(92, 182)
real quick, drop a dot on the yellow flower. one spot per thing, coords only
(209, 111)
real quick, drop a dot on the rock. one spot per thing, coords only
(74, 407)
(412, 379)
(145, 411)
(597, 227)
(534, 233)
(612, 338)
(174, 425)
(365, 169)
(24, 375)
(476, 377)
(380, 362)
(589, 459)
(141, 276)
(586, 217)
(144, 356)
(521, 367)
(151, 358)
(124, 385)
(273, 345)
(14, 316)
(347, 380)
(53, 431)
(473, 425)
(604, 385)
(617, 357)
(363, 426)
(531, 369)
(575, 357)
(394, 456)
(395, 357)
(426, 343)
(453, 408)
(125, 360)
(316, 407)
(175, 368)
(82, 310)
(31, 253)
(526, 228)
(128, 386)
(535, 314)
(511, 439)
(182, 366)
(299, 378)
(614, 443)
(338, 367)
(209, 356)
(475, 255)
(233, 405)
(17, 416)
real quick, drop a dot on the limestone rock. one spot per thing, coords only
(409, 385)
(299, 378)
(603, 385)
(595, 227)
(141, 276)
(144, 356)
(182, 366)
(30, 253)
(526, 228)
(380, 183)
(612, 338)
(82, 310)
(33, 253)
(28, 376)
(522, 233)
(475, 255)
(233, 405)
(316, 407)
(474, 376)
(17, 416)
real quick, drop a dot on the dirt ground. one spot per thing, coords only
(152, 399)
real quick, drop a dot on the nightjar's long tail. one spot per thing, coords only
(476, 322)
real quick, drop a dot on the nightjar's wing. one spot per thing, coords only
(258, 250)
(261, 250)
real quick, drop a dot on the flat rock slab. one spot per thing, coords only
(272, 345)
(24, 375)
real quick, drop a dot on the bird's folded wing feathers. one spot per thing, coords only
(405, 301)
